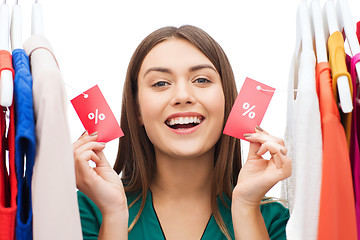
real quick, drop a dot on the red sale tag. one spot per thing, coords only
(96, 115)
(249, 108)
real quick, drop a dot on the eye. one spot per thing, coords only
(160, 84)
(202, 80)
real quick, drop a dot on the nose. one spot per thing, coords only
(182, 95)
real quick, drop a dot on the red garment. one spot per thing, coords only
(8, 183)
(337, 218)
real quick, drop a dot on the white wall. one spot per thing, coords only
(94, 40)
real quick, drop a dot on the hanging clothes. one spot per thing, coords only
(287, 185)
(357, 101)
(337, 218)
(307, 143)
(25, 143)
(358, 30)
(354, 143)
(8, 184)
(338, 68)
(55, 208)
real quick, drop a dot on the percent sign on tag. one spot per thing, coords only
(96, 115)
(249, 108)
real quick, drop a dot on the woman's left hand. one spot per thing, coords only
(258, 175)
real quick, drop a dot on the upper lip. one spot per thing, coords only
(184, 114)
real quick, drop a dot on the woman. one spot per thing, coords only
(181, 175)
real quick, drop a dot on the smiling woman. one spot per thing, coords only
(181, 95)
(182, 177)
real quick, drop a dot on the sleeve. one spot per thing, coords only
(276, 217)
(90, 217)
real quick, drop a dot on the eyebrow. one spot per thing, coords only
(202, 66)
(167, 70)
(158, 69)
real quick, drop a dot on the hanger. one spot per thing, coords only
(36, 19)
(342, 82)
(303, 42)
(347, 23)
(6, 82)
(315, 10)
(304, 38)
(16, 27)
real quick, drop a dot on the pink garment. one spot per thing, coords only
(354, 144)
(55, 208)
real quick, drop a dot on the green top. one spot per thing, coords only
(148, 226)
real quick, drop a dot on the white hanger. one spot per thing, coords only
(304, 40)
(36, 19)
(16, 27)
(321, 53)
(6, 82)
(347, 23)
(342, 81)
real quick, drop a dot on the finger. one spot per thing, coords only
(253, 149)
(89, 146)
(84, 173)
(85, 132)
(85, 138)
(259, 129)
(275, 150)
(262, 137)
(271, 147)
(85, 157)
(82, 168)
(102, 160)
(284, 162)
(277, 161)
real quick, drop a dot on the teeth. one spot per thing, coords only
(183, 120)
(186, 120)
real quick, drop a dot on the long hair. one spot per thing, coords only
(136, 157)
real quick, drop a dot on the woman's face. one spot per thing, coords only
(181, 100)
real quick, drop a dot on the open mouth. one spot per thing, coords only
(184, 122)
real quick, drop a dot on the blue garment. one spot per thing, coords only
(25, 142)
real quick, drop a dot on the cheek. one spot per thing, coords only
(151, 106)
(215, 103)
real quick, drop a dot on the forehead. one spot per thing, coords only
(174, 53)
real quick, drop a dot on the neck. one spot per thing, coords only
(179, 177)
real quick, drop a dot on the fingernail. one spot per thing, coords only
(282, 152)
(259, 128)
(247, 135)
(102, 143)
(93, 134)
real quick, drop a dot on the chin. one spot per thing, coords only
(188, 151)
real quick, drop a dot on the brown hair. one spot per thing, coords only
(136, 158)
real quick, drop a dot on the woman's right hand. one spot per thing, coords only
(101, 183)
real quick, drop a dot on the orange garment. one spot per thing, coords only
(338, 68)
(337, 218)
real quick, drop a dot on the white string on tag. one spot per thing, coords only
(85, 95)
(278, 90)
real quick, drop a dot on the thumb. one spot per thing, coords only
(253, 149)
